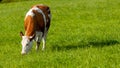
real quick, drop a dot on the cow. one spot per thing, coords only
(36, 24)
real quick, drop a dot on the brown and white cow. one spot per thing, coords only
(36, 23)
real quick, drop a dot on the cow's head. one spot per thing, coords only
(26, 43)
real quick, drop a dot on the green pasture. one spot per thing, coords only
(83, 34)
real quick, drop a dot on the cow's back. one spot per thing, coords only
(42, 23)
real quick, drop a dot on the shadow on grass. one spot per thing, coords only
(98, 44)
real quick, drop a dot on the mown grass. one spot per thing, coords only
(8, 1)
(83, 34)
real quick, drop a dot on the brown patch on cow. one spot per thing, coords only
(29, 26)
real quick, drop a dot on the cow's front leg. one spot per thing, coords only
(38, 39)
(37, 46)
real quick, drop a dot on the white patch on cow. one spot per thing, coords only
(30, 13)
(26, 44)
(38, 36)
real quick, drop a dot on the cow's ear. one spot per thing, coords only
(31, 38)
(21, 34)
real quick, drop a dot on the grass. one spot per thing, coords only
(83, 34)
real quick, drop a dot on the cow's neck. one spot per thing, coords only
(30, 28)
(29, 33)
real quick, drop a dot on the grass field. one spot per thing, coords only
(83, 34)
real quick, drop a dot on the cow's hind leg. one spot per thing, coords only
(44, 41)
(44, 44)
(44, 37)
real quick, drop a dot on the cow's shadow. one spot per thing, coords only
(98, 44)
